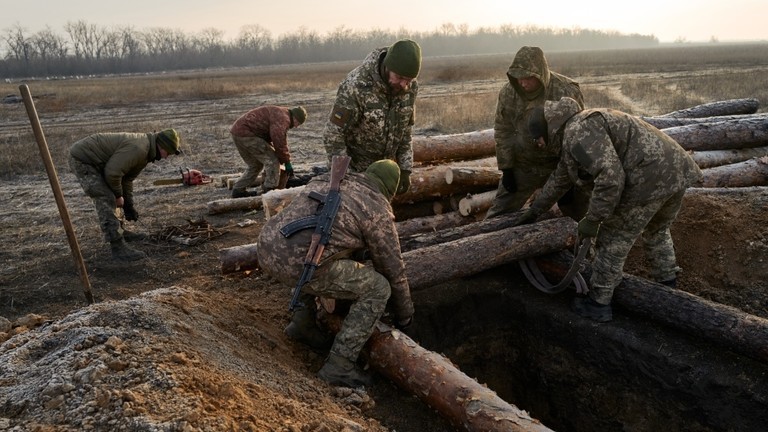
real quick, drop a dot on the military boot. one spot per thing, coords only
(303, 328)
(132, 236)
(122, 252)
(242, 193)
(342, 372)
(588, 308)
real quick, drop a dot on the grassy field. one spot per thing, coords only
(458, 93)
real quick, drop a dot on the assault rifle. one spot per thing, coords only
(322, 221)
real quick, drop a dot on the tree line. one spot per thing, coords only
(86, 48)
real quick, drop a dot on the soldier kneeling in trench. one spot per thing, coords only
(638, 176)
(106, 165)
(364, 221)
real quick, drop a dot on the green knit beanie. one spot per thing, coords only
(168, 140)
(386, 174)
(298, 113)
(404, 58)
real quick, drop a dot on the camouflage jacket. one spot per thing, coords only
(270, 123)
(629, 161)
(119, 156)
(514, 147)
(367, 122)
(364, 221)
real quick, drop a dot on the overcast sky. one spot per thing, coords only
(668, 20)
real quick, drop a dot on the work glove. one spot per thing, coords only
(508, 180)
(528, 216)
(588, 228)
(405, 182)
(289, 169)
(130, 211)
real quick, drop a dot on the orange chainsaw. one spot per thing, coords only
(189, 177)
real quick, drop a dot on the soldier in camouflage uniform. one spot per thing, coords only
(106, 165)
(261, 138)
(524, 166)
(364, 222)
(639, 176)
(373, 114)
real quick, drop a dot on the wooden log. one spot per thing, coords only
(668, 122)
(428, 183)
(723, 135)
(470, 255)
(473, 176)
(223, 180)
(714, 158)
(473, 204)
(718, 108)
(435, 223)
(721, 324)
(472, 145)
(238, 258)
(753, 172)
(234, 204)
(467, 404)
(276, 200)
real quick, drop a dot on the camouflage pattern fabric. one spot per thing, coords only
(257, 154)
(515, 148)
(618, 233)
(364, 221)
(345, 279)
(638, 176)
(368, 122)
(271, 124)
(103, 197)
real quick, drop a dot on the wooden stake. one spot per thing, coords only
(56, 187)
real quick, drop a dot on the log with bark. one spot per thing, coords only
(724, 325)
(234, 204)
(475, 204)
(753, 172)
(238, 258)
(714, 158)
(484, 177)
(718, 108)
(467, 404)
(276, 200)
(435, 223)
(668, 122)
(472, 145)
(724, 135)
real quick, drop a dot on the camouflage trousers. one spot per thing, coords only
(369, 292)
(257, 154)
(94, 185)
(618, 233)
(574, 204)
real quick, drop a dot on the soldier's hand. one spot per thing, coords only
(588, 228)
(528, 216)
(405, 182)
(289, 169)
(119, 202)
(130, 212)
(508, 180)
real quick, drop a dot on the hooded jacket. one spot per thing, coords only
(514, 146)
(629, 161)
(367, 122)
(364, 221)
(119, 156)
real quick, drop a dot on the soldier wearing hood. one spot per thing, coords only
(364, 223)
(638, 176)
(373, 114)
(524, 165)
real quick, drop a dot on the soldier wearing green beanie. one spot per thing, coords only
(373, 115)
(261, 138)
(364, 222)
(106, 165)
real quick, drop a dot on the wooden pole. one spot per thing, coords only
(56, 187)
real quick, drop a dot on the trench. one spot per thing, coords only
(574, 375)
